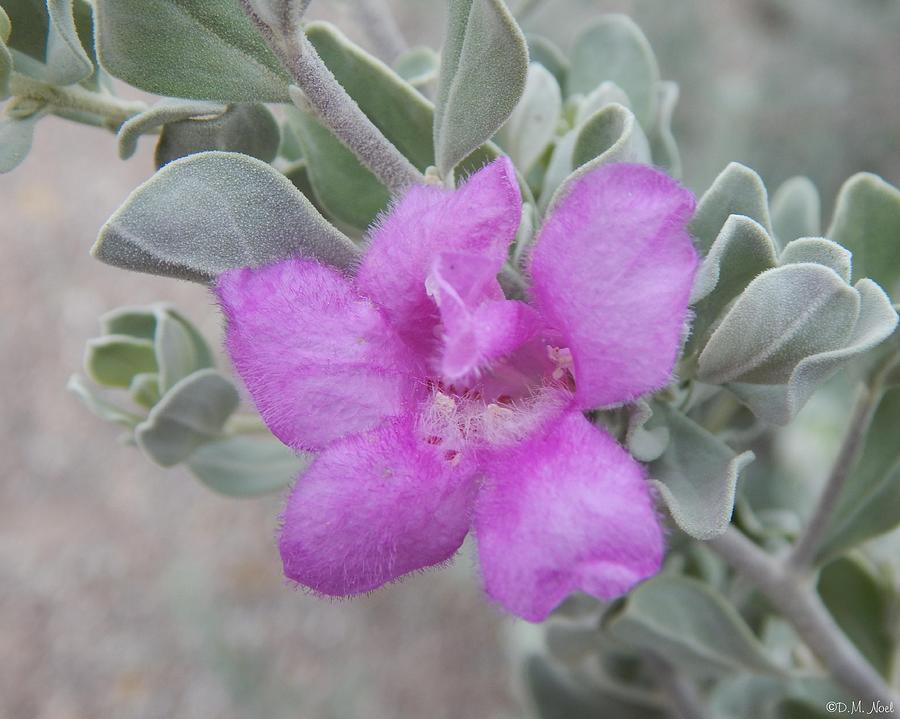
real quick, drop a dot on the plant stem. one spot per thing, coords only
(333, 106)
(805, 549)
(75, 98)
(802, 607)
(378, 21)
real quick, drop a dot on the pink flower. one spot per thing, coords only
(439, 407)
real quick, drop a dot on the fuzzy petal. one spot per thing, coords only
(567, 510)
(481, 217)
(374, 507)
(479, 326)
(319, 361)
(612, 270)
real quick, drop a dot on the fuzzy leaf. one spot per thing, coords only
(784, 316)
(100, 407)
(137, 322)
(737, 190)
(5, 26)
(870, 502)
(696, 476)
(249, 128)
(213, 211)
(821, 252)
(663, 146)
(15, 140)
(867, 222)
(114, 360)
(615, 49)
(6, 66)
(45, 41)
(166, 110)
(484, 64)
(180, 349)
(645, 441)
(418, 66)
(742, 250)
(144, 389)
(246, 466)
(346, 190)
(402, 114)
(190, 414)
(796, 210)
(543, 51)
(532, 125)
(692, 626)
(188, 48)
(778, 403)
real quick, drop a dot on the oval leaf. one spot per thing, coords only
(114, 360)
(532, 125)
(213, 211)
(167, 110)
(796, 210)
(484, 64)
(192, 413)
(180, 349)
(821, 252)
(188, 48)
(692, 626)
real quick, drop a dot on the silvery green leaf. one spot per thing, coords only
(190, 414)
(402, 114)
(348, 192)
(484, 64)
(100, 407)
(213, 211)
(180, 349)
(526, 232)
(559, 168)
(188, 48)
(796, 210)
(246, 466)
(867, 222)
(737, 190)
(778, 403)
(532, 125)
(15, 140)
(144, 389)
(247, 128)
(742, 250)
(418, 66)
(137, 322)
(870, 502)
(820, 251)
(289, 148)
(543, 51)
(785, 315)
(645, 443)
(45, 41)
(616, 49)
(862, 607)
(696, 475)
(166, 110)
(606, 93)
(663, 146)
(742, 696)
(612, 134)
(6, 64)
(692, 626)
(114, 360)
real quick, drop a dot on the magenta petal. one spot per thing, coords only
(479, 326)
(612, 270)
(319, 361)
(481, 217)
(567, 510)
(374, 507)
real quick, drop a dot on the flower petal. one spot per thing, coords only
(319, 361)
(566, 510)
(612, 270)
(481, 217)
(479, 326)
(374, 507)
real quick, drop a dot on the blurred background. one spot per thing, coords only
(131, 591)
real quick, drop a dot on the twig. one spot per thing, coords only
(333, 106)
(685, 701)
(803, 608)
